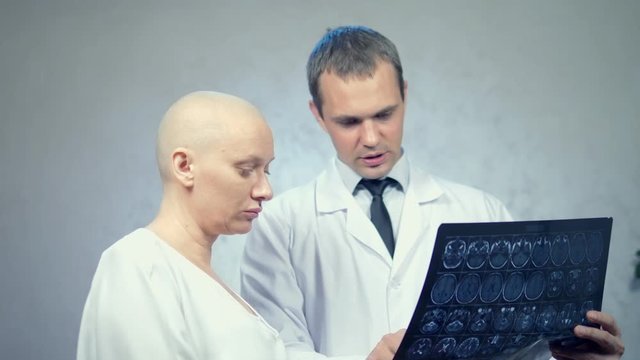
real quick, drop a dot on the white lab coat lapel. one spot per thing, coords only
(363, 230)
(410, 226)
(333, 196)
(421, 190)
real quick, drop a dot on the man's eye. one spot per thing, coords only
(384, 115)
(348, 122)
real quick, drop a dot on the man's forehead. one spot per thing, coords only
(363, 71)
(333, 78)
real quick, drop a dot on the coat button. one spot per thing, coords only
(395, 284)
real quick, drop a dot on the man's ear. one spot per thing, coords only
(316, 113)
(406, 88)
(182, 166)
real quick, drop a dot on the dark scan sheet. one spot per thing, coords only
(493, 289)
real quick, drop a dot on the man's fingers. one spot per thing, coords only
(397, 339)
(387, 346)
(605, 320)
(608, 343)
(380, 352)
(600, 337)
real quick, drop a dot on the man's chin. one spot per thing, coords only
(376, 172)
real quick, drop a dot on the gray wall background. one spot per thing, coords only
(537, 102)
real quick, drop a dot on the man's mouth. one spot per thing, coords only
(374, 159)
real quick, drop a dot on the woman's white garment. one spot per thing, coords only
(147, 301)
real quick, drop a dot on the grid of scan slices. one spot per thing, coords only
(498, 294)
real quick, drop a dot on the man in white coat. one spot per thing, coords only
(316, 266)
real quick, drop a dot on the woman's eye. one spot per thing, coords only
(245, 172)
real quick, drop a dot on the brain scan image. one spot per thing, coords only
(578, 246)
(574, 282)
(546, 319)
(445, 348)
(454, 254)
(468, 288)
(555, 284)
(492, 345)
(559, 249)
(503, 318)
(520, 251)
(566, 317)
(591, 281)
(420, 349)
(457, 321)
(540, 251)
(513, 286)
(491, 287)
(481, 320)
(517, 341)
(525, 320)
(477, 254)
(444, 289)
(432, 321)
(499, 253)
(594, 246)
(586, 306)
(535, 285)
(490, 295)
(467, 348)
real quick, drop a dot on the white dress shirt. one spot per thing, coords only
(393, 195)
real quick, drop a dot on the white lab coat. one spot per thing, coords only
(149, 302)
(316, 268)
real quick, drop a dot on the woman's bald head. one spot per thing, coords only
(201, 119)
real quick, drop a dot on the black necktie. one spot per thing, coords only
(379, 214)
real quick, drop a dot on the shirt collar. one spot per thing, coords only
(399, 172)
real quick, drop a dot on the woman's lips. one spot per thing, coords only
(253, 213)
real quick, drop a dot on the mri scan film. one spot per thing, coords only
(493, 289)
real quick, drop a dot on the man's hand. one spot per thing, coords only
(387, 346)
(606, 341)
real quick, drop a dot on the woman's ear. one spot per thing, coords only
(182, 166)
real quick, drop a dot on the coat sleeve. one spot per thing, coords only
(132, 312)
(268, 282)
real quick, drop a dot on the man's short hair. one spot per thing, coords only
(350, 51)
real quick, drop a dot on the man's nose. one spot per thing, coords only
(369, 136)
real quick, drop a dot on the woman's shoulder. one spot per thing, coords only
(139, 249)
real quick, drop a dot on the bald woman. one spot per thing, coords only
(154, 294)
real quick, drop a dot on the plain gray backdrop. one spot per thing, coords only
(536, 102)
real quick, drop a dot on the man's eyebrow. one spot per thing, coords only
(346, 118)
(343, 118)
(387, 109)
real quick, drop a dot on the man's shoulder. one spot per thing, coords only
(453, 187)
(425, 181)
(298, 195)
(466, 198)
